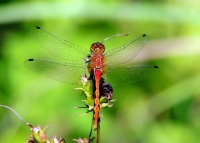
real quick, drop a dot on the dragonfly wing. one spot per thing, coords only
(122, 75)
(57, 46)
(126, 52)
(63, 72)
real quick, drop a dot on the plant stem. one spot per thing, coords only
(98, 134)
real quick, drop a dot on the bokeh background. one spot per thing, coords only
(161, 109)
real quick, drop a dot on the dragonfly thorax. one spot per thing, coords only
(96, 59)
(97, 47)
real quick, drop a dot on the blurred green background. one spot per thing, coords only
(161, 109)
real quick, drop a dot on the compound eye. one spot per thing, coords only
(102, 48)
(92, 48)
(97, 46)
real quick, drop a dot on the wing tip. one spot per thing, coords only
(156, 67)
(37, 27)
(144, 35)
(31, 60)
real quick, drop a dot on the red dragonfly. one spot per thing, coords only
(114, 69)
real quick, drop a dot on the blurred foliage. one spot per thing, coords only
(161, 109)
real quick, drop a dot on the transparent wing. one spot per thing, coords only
(126, 52)
(57, 46)
(63, 72)
(122, 75)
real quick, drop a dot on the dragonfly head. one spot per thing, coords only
(99, 47)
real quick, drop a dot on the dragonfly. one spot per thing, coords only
(113, 66)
